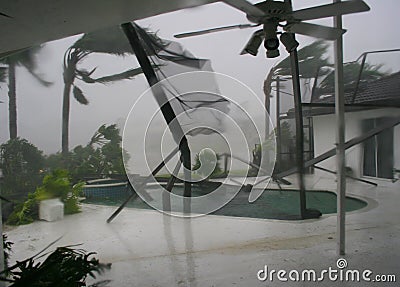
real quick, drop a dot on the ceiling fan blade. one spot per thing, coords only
(335, 9)
(212, 30)
(313, 30)
(9, 53)
(246, 7)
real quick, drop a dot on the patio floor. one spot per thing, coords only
(147, 248)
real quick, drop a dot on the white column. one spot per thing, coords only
(340, 137)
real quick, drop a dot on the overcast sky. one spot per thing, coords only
(39, 108)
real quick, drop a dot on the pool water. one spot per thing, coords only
(272, 204)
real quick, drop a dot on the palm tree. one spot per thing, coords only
(313, 60)
(109, 41)
(25, 58)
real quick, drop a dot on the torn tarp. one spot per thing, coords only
(199, 110)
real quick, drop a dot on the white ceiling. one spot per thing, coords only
(35, 22)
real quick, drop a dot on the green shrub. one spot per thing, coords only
(71, 203)
(102, 156)
(25, 212)
(55, 185)
(22, 164)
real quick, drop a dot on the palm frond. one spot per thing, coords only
(112, 40)
(84, 75)
(129, 74)
(109, 41)
(27, 59)
(311, 58)
(79, 96)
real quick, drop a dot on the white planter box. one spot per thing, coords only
(51, 209)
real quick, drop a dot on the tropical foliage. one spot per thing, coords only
(25, 212)
(55, 185)
(102, 156)
(314, 63)
(22, 164)
(65, 267)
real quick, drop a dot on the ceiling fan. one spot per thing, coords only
(279, 14)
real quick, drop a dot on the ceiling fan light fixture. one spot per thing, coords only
(272, 53)
(271, 43)
(289, 42)
(253, 45)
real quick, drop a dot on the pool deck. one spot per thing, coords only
(147, 248)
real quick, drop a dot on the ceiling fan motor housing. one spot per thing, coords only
(272, 9)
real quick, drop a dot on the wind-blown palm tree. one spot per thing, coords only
(313, 60)
(25, 58)
(108, 41)
(314, 63)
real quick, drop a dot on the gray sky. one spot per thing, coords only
(39, 108)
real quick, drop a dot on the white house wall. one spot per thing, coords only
(325, 134)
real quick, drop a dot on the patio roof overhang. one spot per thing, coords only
(26, 23)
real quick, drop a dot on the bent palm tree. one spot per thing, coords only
(25, 58)
(313, 60)
(110, 41)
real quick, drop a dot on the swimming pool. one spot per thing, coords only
(272, 204)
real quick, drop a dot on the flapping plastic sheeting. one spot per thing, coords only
(186, 95)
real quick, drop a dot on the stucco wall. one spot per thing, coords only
(325, 134)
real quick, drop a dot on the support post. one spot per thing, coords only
(364, 58)
(170, 185)
(278, 122)
(340, 138)
(165, 107)
(2, 284)
(299, 130)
